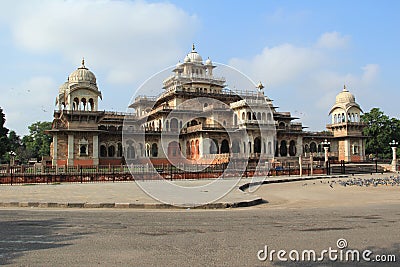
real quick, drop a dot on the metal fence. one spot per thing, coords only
(86, 174)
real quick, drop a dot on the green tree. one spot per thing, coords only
(381, 130)
(3, 135)
(37, 142)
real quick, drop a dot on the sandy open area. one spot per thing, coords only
(319, 194)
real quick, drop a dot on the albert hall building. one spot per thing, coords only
(195, 119)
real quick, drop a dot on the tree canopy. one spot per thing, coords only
(37, 142)
(3, 135)
(381, 130)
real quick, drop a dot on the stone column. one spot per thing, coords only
(70, 158)
(394, 160)
(311, 164)
(347, 150)
(55, 151)
(326, 155)
(95, 150)
(300, 166)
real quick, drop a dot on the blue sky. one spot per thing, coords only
(303, 51)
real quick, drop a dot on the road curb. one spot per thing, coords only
(80, 205)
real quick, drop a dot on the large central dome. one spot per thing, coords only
(193, 56)
(82, 74)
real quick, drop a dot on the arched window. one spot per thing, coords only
(248, 115)
(148, 150)
(83, 102)
(269, 117)
(257, 145)
(83, 150)
(119, 150)
(154, 150)
(167, 125)
(75, 105)
(173, 149)
(292, 148)
(224, 146)
(197, 154)
(334, 119)
(243, 116)
(187, 149)
(103, 151)
(91, 104)
(319, 148)
(269, 148)
(111, 151)
(258, 115)
(306, 148)
(313, 147)
(235, 119)
(213, 146)
(174, 125)
(130, 152)
(283, 149)
(263, 118)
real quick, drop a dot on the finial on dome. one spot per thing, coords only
(260, 86)
(193, 48)
(83, 62)
(344, 88)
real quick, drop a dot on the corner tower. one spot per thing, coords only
(347, 127)
(75, 125)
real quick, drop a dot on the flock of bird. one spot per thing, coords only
(387, 181)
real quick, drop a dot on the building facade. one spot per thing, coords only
(196, 119)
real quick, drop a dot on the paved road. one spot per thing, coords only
(101, 237)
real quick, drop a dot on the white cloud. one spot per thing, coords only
(30, 101)
(305, 80)
(371, 71)
(127, 39)
(280, 64)
(333, 40)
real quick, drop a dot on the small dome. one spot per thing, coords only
(178, 65)
(82, 74)
(63, 88)
(208, 61)
(345, 97)
(187, 59)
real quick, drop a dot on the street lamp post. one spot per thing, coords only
(325, 145)
(394, 144)
(12, 157)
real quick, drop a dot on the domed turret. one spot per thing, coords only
(82, 75)
(80, 91)
(345, 97)
(63, 88)
(345, 108)
(208, 62)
